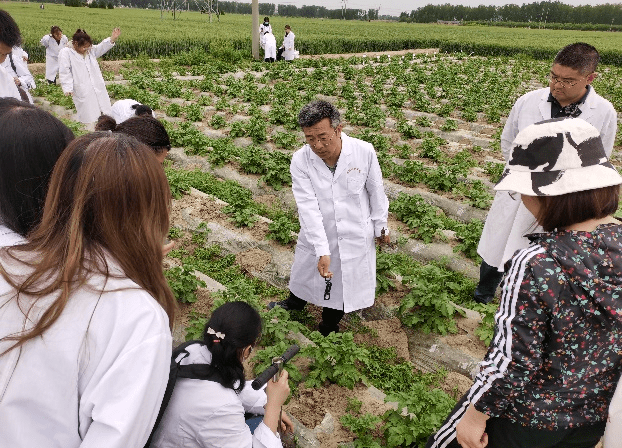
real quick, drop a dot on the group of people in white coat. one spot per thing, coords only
(267, 41)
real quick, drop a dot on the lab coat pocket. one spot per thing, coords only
(356, 181)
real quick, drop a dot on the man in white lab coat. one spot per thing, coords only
(342, 207)
(569, 94)
(9, 37)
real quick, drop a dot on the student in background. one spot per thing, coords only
(289, 53)
(210, 412)
(9, 38)
(124, 109)
(269, 47)
(81, 77)
(85, 308)
(53, 43)
(16, 67)
(264, 28)
(31, 141)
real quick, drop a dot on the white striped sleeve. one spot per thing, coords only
(515, 352)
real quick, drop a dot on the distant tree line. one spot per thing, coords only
(558, 12)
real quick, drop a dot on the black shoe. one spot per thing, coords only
(282, 304)
(482, 298)
(326, 330)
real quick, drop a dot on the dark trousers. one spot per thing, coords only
(489, 279)
(330, 317)
(269, 60)
(502, 433)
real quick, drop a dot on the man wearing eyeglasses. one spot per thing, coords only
(9, 37)
(343, 210)
(569, 94)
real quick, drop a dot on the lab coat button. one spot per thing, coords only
(340, 237)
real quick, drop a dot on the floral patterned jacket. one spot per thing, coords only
(556, 355)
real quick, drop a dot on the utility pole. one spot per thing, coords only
(255, 39)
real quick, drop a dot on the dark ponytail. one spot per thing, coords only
(81, 37)
(239, 325)
(105, 123)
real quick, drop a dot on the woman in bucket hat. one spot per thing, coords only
(552, 367)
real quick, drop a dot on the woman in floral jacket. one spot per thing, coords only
(551, 370)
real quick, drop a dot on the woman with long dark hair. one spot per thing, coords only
(85, 308)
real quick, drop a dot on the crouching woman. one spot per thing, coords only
(210, 412)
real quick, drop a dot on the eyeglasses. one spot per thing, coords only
(564, 82)
(323, 140)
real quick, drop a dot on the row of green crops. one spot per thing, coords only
(145, 32)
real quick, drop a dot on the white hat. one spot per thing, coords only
(558, 156)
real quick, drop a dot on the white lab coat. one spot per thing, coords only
(339, 216)
(262, 31)
(96, 378)
(9, 238)
(288, 44)
(21, 72)
(269, 46)
(82, 76)
(51, 54)
(8, 89)
(508, 220)
(204, 414)
(122, 110)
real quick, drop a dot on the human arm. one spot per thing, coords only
(65, 76)
(45, 40)
(126, 368)
(510, 130)
(609, 129)
(470, 431)
(378, 202)
(522, 324)
(309, 214)
(105, 45)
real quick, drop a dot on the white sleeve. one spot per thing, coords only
(378, 202)
(510, 130)
(253, 400)
(45, 41)
(64, 71)
(263, 437)
(609, 129)
(124, 386)
(102, 48)
(311, 221)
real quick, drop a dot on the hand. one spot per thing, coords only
(17, 81)
(25, 58)
(286, 424)
(323, 266)
(278, 391)
(68, 93)
(115, 35)
(384, 239)
(166, 248)
(470, 432)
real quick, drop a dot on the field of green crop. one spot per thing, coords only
(145, 32)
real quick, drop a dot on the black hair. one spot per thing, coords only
(141, 109)
(80, 37)
(9, 31)
(31, 140)
(578, 56)
(314, 112)
(55, 29)
(266, 19)
(240, 326)
(144, 128)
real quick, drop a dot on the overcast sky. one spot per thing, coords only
(395, 7)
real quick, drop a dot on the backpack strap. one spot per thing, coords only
(176, 358)
(12, 63)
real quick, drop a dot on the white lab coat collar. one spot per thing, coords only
(587, 108)
(342, 162)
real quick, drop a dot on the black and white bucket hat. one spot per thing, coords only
(558, 156)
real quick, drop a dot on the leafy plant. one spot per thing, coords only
(196, 326)
(363, 427)
(449, 125)
(336, 358)
(184, 283)
(486, 329)
(281, 230)
(494, 170)
(217, 121)
(469, 235)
